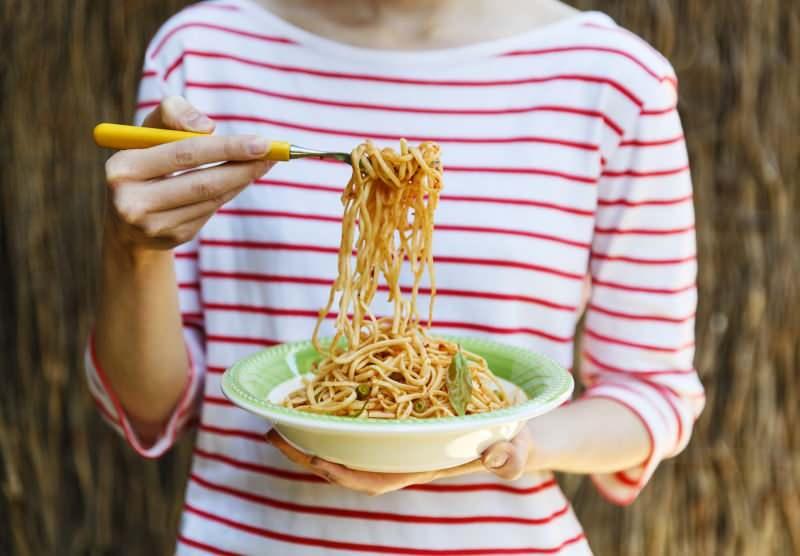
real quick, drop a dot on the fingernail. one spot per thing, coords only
(198, 121)
(257, 145)
(496, 460)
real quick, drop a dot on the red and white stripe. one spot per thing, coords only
(564, 160)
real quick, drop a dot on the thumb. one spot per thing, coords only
(175, 112)
(507, 460)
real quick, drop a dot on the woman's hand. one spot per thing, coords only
(586, 436)
(152, 209)
(505, 459)
(139, 334)
(510, 460)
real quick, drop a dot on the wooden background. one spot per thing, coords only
(69, 486)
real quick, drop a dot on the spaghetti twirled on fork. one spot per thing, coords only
(389, 367)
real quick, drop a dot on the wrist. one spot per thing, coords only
(124, 253)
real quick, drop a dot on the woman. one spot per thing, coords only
(565, 164)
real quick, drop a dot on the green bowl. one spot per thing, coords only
(260, 382)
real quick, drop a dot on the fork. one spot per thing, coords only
(118, 136)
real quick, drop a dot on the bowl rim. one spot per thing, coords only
(559, 390)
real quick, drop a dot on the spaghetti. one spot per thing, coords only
(390, 367)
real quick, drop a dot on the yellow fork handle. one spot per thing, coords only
(117, 136)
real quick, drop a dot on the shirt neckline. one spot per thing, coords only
(450, 55)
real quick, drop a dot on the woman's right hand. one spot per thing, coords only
(151, 209)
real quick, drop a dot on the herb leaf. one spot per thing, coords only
(459, 383)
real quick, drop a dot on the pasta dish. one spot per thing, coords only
(390, 367)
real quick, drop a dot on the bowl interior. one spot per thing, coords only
(258, 383)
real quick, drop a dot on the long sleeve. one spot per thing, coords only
(638, 344)
(152, 89)
(106, 399)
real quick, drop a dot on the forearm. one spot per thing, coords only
(155, 205)
(588, 436)
(138, 332)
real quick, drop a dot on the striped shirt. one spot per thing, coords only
(567, 190)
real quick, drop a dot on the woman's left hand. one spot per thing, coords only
(507, 460)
